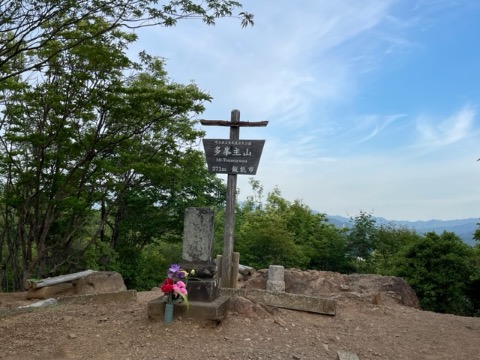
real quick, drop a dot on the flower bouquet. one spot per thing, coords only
(174, 288)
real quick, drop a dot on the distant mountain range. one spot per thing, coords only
(463, 228)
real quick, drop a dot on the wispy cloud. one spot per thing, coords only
(290, 62)
(435, 133)
(375, 124)
(337, 81)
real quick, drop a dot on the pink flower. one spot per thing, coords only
(181, 284)
(178, 289)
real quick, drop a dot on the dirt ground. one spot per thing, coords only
(371, 330)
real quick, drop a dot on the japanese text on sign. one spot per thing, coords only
(233, 156)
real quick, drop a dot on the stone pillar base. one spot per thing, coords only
(276, 286)
(215, 310)
(203, 289)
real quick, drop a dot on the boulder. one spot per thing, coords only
(98, 282)
(247, 307)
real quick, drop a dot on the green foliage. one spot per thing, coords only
(29, 25)
(284, 233)
(388, 243)
(438, 267)
(473, 289)
(265, 240)
(360, 240)
(476, 235)
(143, 270)
(327, 251)
(98, 157)
(98, 256)
(86, 146)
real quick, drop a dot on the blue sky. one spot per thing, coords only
(372, 105)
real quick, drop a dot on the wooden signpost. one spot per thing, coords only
(233, 157)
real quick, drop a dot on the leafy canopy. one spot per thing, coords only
(30, 25)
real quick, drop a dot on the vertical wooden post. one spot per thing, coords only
(228, 239)
(218, 261)
(235, 264)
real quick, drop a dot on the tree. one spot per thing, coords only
(86, 147)
(31, 25)
(476, 235)
(439, 268)
(54, 134)
(322, 244)
(287, 233)
(388, 243)
(360, 238)
(88, 143)
(261, 233)
(474, 289)
(265, 240)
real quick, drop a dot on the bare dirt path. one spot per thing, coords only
(123, 331)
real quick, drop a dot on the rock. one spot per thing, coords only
(368, 288)
(377, 299)
(43, 303)
(247, 307)
(344, 355)
(245, 270)
(100, 282)
(46, 292)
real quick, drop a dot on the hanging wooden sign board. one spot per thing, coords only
(239, 157)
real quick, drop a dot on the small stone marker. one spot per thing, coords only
(344, 355)
(276, 280)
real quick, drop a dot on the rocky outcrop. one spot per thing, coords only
(366, 287)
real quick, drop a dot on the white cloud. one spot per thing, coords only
(375, 124)
(435, 133)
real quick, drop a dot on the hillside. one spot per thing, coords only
(463, 228)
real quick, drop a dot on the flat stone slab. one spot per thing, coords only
(198, 310)
(307, 303)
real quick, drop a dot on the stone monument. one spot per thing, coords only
(203, 288)
(198, 232)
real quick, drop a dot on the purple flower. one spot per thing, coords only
(173, 270)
